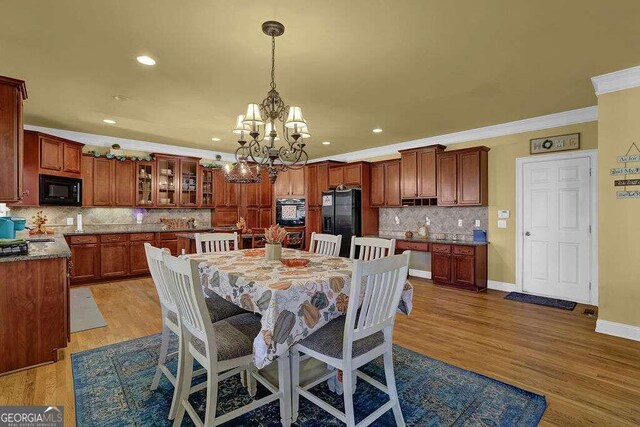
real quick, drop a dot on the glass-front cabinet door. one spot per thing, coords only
(145, 179)
(189, 182)
(168, 185)
(206, 180)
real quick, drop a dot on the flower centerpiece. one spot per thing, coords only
(242, 225)
(274, 236)
(39, 220)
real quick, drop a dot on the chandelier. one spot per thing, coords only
(266, 123)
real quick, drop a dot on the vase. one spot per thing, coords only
(273, 251)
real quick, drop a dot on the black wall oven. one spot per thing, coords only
(60, 191)
(290, 212)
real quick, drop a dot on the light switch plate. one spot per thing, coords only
(477, 223)
(459, 223)
(69, 221)
(502, 223)
(503, 214)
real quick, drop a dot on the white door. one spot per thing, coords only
(557, 229)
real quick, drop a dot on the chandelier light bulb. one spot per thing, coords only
(295, 119)
(253, 117)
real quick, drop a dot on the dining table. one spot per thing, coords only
(293, 301)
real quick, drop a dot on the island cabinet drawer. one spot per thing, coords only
(463, 250)
(110, 238)
(141, 237)
(403, 245)
(440, 248)
(82, 240)
(168, 236)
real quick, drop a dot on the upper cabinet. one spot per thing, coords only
(418, 172)
(349, 175)
(12, 93)
(318, 182)
(463, 177)
(189, 183)
(206, 187)
(167, 182)
(145, 184)
(385, 184)
(290, 183)
(59, 156)
(226, 194)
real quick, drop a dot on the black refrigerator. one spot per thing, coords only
(341, 215)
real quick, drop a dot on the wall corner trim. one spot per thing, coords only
(617, 80)
(616, 329)
(501, 286)
(420, 273)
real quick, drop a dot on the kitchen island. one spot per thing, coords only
(34, 305)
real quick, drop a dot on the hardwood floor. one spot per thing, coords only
(588, 378)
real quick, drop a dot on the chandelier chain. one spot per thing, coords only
(273, 62)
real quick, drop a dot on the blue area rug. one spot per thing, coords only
(112, 389)
(547, 302)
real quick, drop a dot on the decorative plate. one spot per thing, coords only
(254, 252)
(295, 262)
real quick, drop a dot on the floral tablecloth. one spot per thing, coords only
(293, 301)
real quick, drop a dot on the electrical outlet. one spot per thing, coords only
(397, 220)
(459, 223)
(477, 223)
(427, 221)
(502, 223)
(69, 221)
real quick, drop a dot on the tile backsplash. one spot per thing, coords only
(443, 220)
(57, 216)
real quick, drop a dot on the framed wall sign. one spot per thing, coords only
(551, 144)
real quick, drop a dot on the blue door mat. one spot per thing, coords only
(534, 299)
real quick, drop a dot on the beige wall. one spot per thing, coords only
(502, 189)
(619, 220)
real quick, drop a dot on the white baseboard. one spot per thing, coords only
(420, 273)
(501, 286)
(616, 329)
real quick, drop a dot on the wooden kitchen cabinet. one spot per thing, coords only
(59, 156)
(207, 188)
(114, 255)
(459, 265)
(463, 177)
(12, 94)
(255, 203)
(124, 189)
(189, 182)
(385, 184)
(103, 181)
(85, 256)
(314, 221)
(336, 176)
(87, 180)
(290, 183)
(227, 194)
(418, 175)
(169, 241)
(145, 191)
(137, 254)
(350, 174)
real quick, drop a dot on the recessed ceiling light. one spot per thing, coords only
(120, 98)
(109, 121)
(146, 60)
(326, 142)
(377, 130)
(215, 139)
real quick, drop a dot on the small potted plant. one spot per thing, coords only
(274, 236)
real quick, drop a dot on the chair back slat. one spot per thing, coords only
(384, 280)
(216, 242)
(325, 244)
(370, 248)
(156, 268)
(187, 292)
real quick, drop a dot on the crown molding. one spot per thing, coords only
(132, 144)
(582, 115)
(618, 80)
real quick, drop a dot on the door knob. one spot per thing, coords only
(527, 233)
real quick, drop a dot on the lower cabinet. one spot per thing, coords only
(107, 256)
(462, 266)
(314, 221)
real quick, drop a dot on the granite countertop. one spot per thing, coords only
(431, 240)
(58, 248)
(124, 228)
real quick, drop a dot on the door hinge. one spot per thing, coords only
(589, 286)
(589, 171)
(589, 229)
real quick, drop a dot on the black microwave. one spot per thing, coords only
(60, 191)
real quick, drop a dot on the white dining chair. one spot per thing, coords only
(217, 307)
(370, 248)
(325, 244)
(223, 349)
(216, 242)
(350, 341)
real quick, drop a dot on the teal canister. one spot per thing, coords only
(7, 228)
